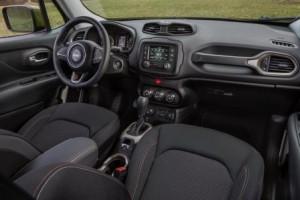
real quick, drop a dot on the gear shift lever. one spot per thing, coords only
(142, 105)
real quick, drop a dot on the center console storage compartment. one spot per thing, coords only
(79, 150)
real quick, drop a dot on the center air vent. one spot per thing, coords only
(79, 36)
(180, 29)
(168, 29)
(278, 64)
(152, 28)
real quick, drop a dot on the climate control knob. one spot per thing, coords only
(159, 95)
(171, 98)
(148, 92)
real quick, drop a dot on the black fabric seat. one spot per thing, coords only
(59, 123)
(171, 162)
(54, 126)
(191, 163)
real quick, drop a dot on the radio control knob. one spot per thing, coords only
(172, 98)
(167, 66)
(146, 64)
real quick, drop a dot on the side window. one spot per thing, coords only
(19, 17)
(55, 18)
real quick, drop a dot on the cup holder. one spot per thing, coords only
(114, 162)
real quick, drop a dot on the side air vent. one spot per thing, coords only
(152, 28)
(79, 36)
(180, 29)
(283, 44)
(278, 64)
(168, 29)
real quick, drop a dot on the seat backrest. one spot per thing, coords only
(15, 152)
(185, 162)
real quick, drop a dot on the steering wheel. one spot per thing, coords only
(86, 60)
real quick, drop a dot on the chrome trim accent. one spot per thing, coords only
(112, 158)
(256, 63)
(136, 139)
(79, 80)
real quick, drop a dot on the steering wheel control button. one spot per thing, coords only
(62, 53)
(97, 56)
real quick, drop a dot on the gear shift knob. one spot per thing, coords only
(142, 105)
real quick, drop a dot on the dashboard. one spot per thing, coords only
(179, 61)
(214, 50)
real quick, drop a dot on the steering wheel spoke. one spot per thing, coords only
(77, 77)
(62, 53)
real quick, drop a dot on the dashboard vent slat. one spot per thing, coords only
(168, 29)
(283, 44)
(278, 64)
(180, 29)
(152, 28)
(79, 36)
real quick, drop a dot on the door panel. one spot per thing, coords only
(28, 81)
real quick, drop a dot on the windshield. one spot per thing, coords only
(229, 9)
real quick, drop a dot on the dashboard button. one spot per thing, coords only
(146, 64)
(167, 66)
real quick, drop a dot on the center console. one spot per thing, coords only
(162, 58)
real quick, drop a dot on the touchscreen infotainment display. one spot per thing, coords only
(159, 53)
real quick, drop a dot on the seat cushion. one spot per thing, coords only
(71, 182)
(190, 163)
(59, 123)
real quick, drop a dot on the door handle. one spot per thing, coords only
(39, 58)
(35, 60)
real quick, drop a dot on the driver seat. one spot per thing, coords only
(65, 121)
(55, 125)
